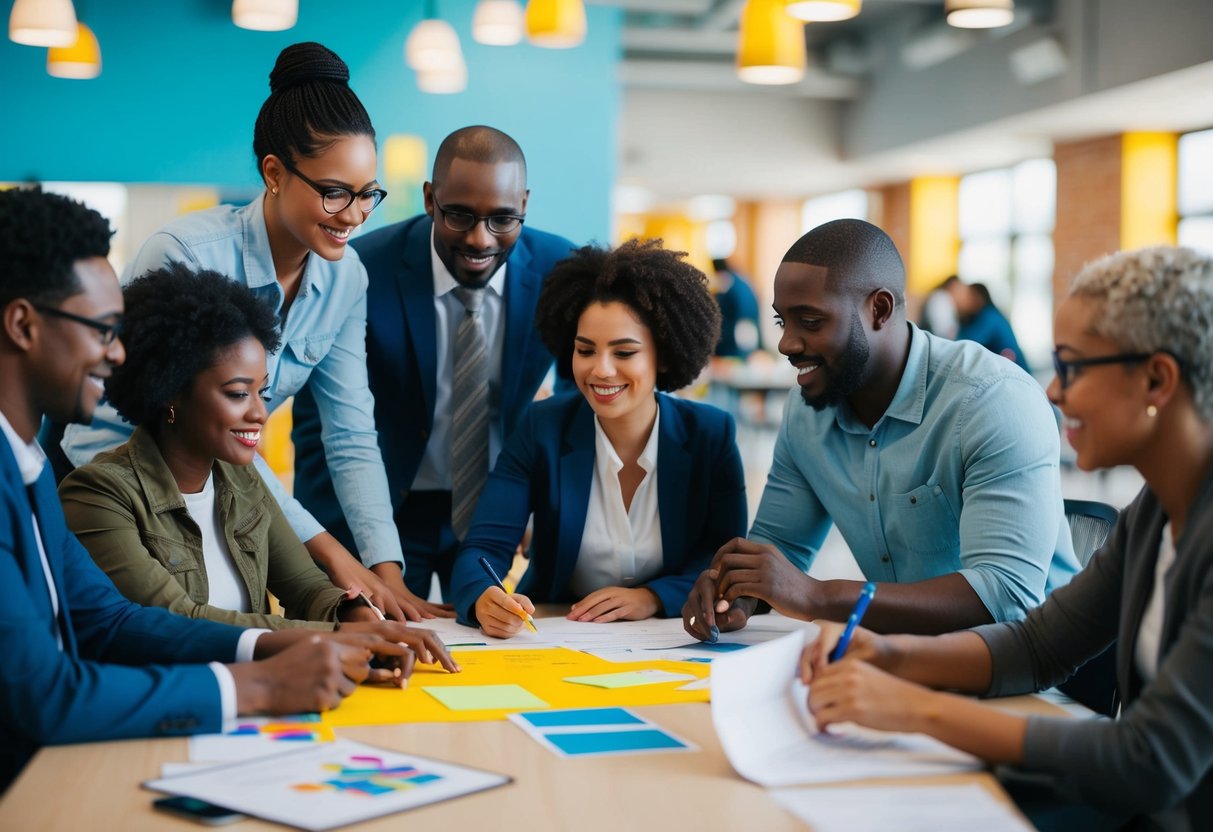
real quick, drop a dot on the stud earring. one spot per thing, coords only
(274, 191)
(1151, 411)
(172, 415)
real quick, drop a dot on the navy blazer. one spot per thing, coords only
(402, 358)
(547, 468)
(108, 682)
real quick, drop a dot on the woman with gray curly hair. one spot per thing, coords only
(1134, 337)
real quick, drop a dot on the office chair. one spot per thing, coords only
(1093, 684)
(1090, 523)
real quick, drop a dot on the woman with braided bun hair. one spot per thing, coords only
(315, 150)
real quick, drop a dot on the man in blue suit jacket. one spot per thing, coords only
(472, 236)
(78, 662)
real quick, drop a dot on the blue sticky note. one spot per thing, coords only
(604, 743)
(581, 716)
(720, 646)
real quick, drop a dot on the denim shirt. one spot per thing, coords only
(960, 474)
(323, 346)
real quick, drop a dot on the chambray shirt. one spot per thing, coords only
(323, 345)
(959, 475)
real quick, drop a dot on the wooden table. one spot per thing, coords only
(95, 786)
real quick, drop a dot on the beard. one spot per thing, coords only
(847, 375)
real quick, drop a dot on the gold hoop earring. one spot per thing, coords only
(172, 415)
(1151, 411)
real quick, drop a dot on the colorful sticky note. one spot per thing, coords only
(486, 697)
(614, 742)
(582, 716)
(630, 678)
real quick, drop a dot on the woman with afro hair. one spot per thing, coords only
(632, 489)
(177, 516)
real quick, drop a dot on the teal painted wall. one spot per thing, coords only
(181, 87)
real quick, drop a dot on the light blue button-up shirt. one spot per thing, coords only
(323, 346)
(961, 474)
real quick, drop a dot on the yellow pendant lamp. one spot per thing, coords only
(770, 44)
(823, 11)
(979, 14)
(555, 24)
(81, 60)
(43, 23)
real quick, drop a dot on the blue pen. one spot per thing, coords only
(488, 570)
(861, 606)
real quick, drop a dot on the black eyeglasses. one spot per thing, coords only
(463, 221)
(109, 331)
(335, 198)
(1067, 370)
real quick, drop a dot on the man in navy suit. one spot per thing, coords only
(472, 236)
(78, 662)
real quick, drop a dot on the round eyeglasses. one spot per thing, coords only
(464, 221)
(336, 198)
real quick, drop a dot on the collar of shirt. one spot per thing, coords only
(444, 282)
(259, 268)
(910, 401)
(30, 457)
(608, 460)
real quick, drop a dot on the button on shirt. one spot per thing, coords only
(959, 475)
(619, 547)
(434, 473)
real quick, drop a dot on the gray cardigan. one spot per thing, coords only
(1156, 760)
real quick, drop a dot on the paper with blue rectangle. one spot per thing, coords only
(593, 732)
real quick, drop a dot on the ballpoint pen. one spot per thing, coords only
(371, 604)
(523, 614)
(861, 606)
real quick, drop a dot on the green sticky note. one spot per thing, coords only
(630, 679)
(486, 697)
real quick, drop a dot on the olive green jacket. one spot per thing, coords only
(126, 509)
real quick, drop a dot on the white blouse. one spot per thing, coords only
(619, 547)
(1149, 634)
(227, 590)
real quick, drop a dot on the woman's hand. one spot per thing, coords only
(616, 603)
(865, 646)
(851, 690)
(500, 614)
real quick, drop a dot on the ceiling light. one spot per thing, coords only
(823, 11)
(81, 60)
(265, 15)
(555, 24)
(43, 23)
(433, 46)
(770, 44)
(979, 14)
(444, 81)
(498, 22)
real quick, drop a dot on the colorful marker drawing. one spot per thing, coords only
(368, 777)
(302, 728)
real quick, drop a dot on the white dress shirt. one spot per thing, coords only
(1149, 634)
(434, 473)
(619, 547)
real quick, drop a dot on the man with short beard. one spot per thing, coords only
(938, 461)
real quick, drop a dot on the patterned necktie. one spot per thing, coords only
(470, 421)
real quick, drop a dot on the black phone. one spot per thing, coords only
(197, 810)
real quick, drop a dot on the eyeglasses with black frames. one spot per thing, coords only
(335, 198)
(464, 221)
(109, 330)
(1067, 371)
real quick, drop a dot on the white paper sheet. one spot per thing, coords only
(760, 712)
(329, 784)
(961, 808)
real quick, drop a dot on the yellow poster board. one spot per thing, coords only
(541, 672)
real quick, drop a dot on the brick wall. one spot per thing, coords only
(1088, 205)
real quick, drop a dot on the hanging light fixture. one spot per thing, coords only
(770, 44)
(43, 23)
(555, 24)
(81, 60)
(433, 45)
(979, 14)
(823, 11)
(498, 22)
(443, 81)
(265, 15)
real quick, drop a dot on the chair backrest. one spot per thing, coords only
(1090, 522)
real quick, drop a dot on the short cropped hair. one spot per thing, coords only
(477, 143)
(859, 258)
(178, 322)
(1154, 300)
(668, 294)
(42, 236)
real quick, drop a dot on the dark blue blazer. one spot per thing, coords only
(547, 468)
(108, 682)
(402, 358)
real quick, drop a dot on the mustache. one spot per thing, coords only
(801, 358)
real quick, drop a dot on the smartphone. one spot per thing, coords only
(197, 810)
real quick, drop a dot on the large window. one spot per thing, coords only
(1006, 242)
(852, 204)
(1196, 190)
